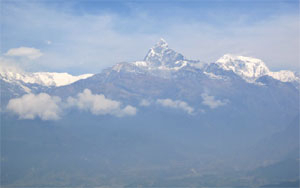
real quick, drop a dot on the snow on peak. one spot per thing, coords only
(284, 76)
(162, 56)
(160, 60)
(57, 79)
(140, 64)
(162, 43)
(42, 78)
(248, 68)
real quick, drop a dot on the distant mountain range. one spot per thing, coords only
(232, 114)
(234, 89)
(233, 86)
(48, 79)
(161, 62)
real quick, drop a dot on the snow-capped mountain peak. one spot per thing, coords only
(163, 62)
(162, 55)
(42, 78)
(160, 61)
(284, 76)
(161, 43)
(250, 68)
(247, 67)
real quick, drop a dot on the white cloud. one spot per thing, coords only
(176, 104)
(30, 106)
(127, 111)
(30, 53)
(100, 105)
(145, 102)
(47, 107)
(212, 102)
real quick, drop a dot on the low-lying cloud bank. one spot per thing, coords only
(30, 106)
(177, 104)
(46, 107)
(211, 102)
(99, 104)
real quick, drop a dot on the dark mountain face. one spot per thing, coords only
(196, 125)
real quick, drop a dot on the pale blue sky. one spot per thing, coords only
(87, 36)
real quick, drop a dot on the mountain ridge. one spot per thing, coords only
(48, 79)
(160, 61)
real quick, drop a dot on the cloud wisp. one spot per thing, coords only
(176, 104)
(211, 102)
(145, 102)
(30, 106)
(30, 53)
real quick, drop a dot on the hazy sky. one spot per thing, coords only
(87, 36)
